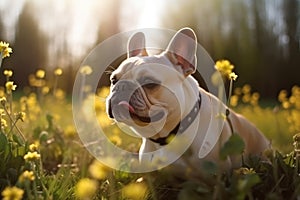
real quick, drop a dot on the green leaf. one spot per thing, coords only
(17, 140)
(245, 184)
(49, 118)
(3, 142)
(43, 136)
(192, 190)
(210, 167)
(22, 151)
(234, 146)
(3, 183)
(12, 174)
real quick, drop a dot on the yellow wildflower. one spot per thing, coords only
(224, 67)
(8, 73)
(12, 193)
(254, 99)
(135, 191)
(244, 171)
(33, 81)
(2, 112)
(5, 50)
(246, 98)
(3, 123)
(58, 72)
(116, 140)
(40, 73)
(3, 101)
(99, 105)
(285, 104)
(98, 170)
(246, 89)
(238, 91)
(60, 94)
(23, 103)
(86, 188)
(27, 175)
(33, 147)
(21, 116)
(282, 97)
(10, 86)
(70, 131)
(232, 76)
(45, 90)
(40, 82)
(294, 120)
(32, 156)
(296, 90)
(103, 92)
(296, 137)
(234, 100)
(86, 70)
(292, 99)
(296, 96)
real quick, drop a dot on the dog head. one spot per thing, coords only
(148, 91)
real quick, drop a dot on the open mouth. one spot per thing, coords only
(134, 115)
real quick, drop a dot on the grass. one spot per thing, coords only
(50, 162)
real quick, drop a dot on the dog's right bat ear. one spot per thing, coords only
(182, 50)
(136, 45)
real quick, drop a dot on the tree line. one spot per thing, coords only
(261, 38)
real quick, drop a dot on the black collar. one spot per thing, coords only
(182, 125)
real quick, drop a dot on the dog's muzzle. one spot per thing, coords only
(127, 101)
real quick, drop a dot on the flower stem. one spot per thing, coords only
(55, 85)
(229, 92)
(13, 124)
(11, 128)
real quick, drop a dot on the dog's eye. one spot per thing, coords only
(149, 83)
(113, 80)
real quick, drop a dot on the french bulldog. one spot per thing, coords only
(158, 98)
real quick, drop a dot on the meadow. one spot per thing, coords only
(42, 156)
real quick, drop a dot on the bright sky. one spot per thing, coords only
(78, 20)
(9, 15)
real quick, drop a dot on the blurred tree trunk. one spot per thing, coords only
(30, 47)
(267, 51)
(110, 25)
(110, 20)
(292, 23)
(1, 28)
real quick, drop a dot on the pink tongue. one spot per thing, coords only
(127, 105)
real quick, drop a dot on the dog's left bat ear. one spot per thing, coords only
(182, 50)
(136, 45)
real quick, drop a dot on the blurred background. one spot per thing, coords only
(260, 37)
